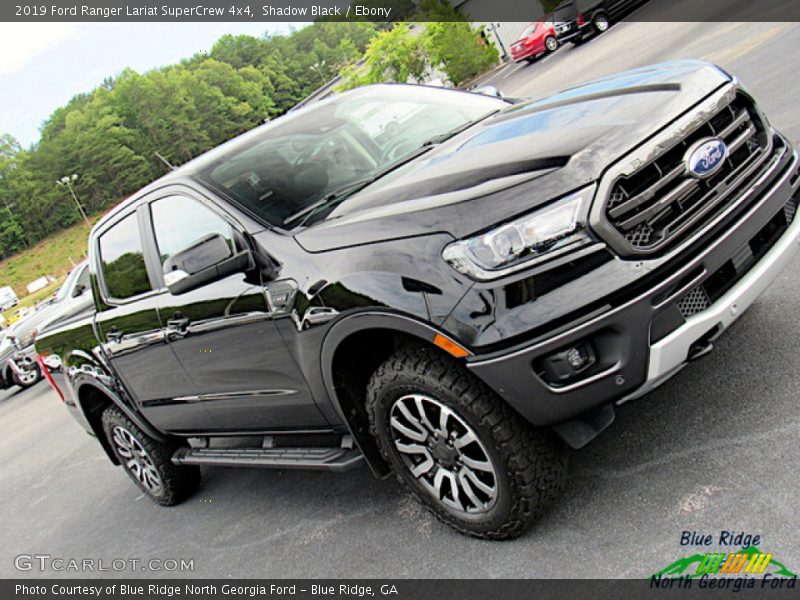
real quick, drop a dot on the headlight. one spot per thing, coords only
(558, 226)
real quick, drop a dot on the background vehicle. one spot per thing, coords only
(17, 367)
(8, 299)
(535, 40)
(451, 305)
(20, 313)
(17, 364)
(576, 20)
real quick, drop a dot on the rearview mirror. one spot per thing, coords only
(208, 259)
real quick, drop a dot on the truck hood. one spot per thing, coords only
(525, 155)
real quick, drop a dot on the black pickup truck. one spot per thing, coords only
(451, 287)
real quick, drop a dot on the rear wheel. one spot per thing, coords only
(147, 461)
(465, 455)
(600, 23)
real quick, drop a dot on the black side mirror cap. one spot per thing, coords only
(204, 261)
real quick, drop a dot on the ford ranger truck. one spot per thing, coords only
(449, 287)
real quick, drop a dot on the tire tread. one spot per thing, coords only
(535, 461)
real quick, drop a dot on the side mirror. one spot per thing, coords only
(78, 291)
(204, 261)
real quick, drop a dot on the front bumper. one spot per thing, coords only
(640, 352)
(574, 31)
(669, 355)
(22, 360)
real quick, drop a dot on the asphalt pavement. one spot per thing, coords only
(716, 448)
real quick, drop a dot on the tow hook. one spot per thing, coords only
(704, 345)
(699, 350)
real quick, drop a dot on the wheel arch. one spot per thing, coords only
(93, 398)
(6, 375)
(597, 12)
(351, 352)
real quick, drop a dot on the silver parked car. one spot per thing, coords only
(17, 363)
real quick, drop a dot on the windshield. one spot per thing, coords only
(302, 159)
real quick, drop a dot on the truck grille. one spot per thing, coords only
(662, 203)
(693, 302)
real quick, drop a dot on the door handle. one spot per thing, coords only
(178, 323)
(114, 335)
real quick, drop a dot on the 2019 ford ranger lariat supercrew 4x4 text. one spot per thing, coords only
(449, 286)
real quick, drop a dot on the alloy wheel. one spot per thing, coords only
(601, 23)
(444, 454)
(137, 460)
(551, 44)
(28, 376)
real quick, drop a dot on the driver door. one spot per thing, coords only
(223, 334)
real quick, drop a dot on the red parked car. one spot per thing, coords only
(537, 39)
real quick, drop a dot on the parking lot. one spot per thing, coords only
(713, 449)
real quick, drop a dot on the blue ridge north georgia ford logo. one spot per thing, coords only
(705, 157)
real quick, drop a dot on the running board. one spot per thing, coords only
(321, 459)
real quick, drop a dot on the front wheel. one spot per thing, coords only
(465, 455)
(147, 461)
(27, 375)
(551, 43)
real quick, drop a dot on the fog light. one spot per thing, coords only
(577, 357)
(568, 364)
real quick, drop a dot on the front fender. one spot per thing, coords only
(369, 321)
(349, 409)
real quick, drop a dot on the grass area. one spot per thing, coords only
(31, 300)
(52, 256)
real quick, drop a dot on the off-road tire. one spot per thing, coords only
(177, 482)
(530, 463)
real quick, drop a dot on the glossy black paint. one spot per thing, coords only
(254, 351)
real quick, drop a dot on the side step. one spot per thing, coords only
(321, 459)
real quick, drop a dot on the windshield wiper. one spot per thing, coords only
(443, 137)
(345, 191)
(328, 198)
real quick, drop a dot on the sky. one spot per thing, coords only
(43, 65)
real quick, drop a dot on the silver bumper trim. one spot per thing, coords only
(670, 355)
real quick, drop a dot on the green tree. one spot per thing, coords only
(110, 136)
(458, 50)
(394, 55)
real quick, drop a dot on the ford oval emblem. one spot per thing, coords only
(705, 157)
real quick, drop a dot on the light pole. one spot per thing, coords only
(67, 183)
(318, 68)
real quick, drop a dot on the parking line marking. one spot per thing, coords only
(746, 46)
(512, 71)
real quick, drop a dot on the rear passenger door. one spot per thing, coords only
(131, 334)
